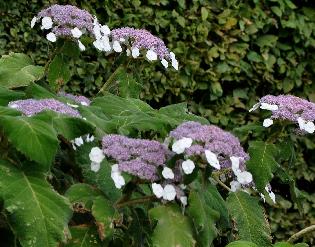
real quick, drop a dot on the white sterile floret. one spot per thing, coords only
(269, 107)
(169, 192)
(73, 145)
(78, 141)
(151, 55)
(180, 145)
(117, 46)
(235, 186)
(157, 190)
(51, 37)
(115, 168)
(308, 126)
(33, 21)
(118, 179)
(255, 107)
(244, 177)
(105, 30)
(47, 23)
(83, 103)
(164, 63)
(89, 138)
(175, 64)
(212, 159)
(167, 173)
(272, 196)
(267, 122)
(82, 48)
(95, 166)
(135, 52)
(188, 166)
(128, 52)
(235, 164)
(76, 32)
(96, 155)
(172, 55)
(183, 200)
(13, 106)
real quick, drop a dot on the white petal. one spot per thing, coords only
(96, 155)
(167, 173)
(269, 107)
(244, 177)
(51, 37)
(135, 52)
(47, 22)
(262, 197)
(267, 122)
(95, 166)
(76, 32)
(212, 159)
(172, 55)
(74, 106)
(188, 166)
(301, 123)
(183, 200)
(82, 48)
(13, 106)
(309, 127)
(115, 168)
(175, 64)
(89, 138)
(169, 192)
(180, 145)
(235, 164)
(128, 52)
(255, 107)
(164, 63)
(98, 44)
(118, 180)
(84, 103)
(117, 46)
(33, 22)
(78, 141)
(157, 190)
(272, 196)
(151, 55)
(235, 186)
(105, 30)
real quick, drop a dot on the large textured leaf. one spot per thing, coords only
(249, 218)
(59, 72)
(37, 214)
(172, 229)
(17, 69)
(33, 137)
(7, 95)
(241, 244)
(262, 162)
(84, 236)
(204, 219)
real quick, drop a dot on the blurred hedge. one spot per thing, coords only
(231, 53)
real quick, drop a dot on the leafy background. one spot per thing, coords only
(230, 53)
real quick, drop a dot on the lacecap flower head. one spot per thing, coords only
(30, 107)
(138, 41)
(76, 98)
(290, 108)
(138, 157)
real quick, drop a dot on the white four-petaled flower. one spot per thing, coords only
(135, 52)
(212, 159)
(76, 32)
(307, 126)
(269, 107)
(180, 145)
(51, 37)
(151, 55)
(188, 166)
(167, 173)
(169, 192)
(96, 155)
(157, 190)
(46, 22)
(267, 122)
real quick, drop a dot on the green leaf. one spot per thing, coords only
(7, 95)
(82, 195)
(204, 13)
(34, 138)
(58, 72)
(172, 229)
(9, 111)
(249, 219)
(262, 162)
(242, 244)
(17, 70)
(267, 40)
(37, 214)
(204, 219)
(286, 244)
(276, 10)
(38, 92)
(103, 213)
(84, 236)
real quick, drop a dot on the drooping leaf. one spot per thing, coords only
(84, 236)
(262, 162)
(17, 70)
(250, 221)
(241, 244)
(37, 214)
(172, 229)
(204, 219)
(38, 92)
(34, 138)
(103, 212)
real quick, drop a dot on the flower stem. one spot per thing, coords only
(299, 234)
(136, 201)
(217, 179)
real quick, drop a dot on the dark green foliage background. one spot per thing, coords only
(230, 53)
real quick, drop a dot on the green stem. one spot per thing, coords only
(299, 234)
(109, 82)
(136, 201)
(217, 179)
